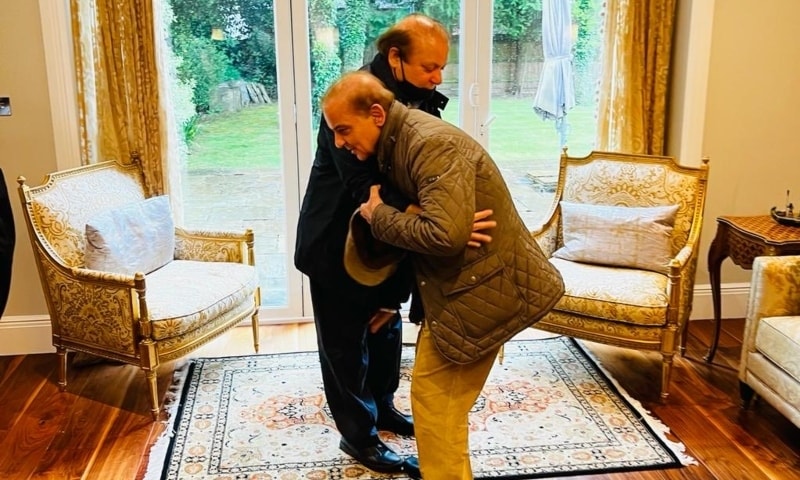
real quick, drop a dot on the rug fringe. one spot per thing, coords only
(158, 452)
(658, 427)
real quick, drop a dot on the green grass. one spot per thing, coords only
(239, 140)
(250, 138)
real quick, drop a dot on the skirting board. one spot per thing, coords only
(22, 335)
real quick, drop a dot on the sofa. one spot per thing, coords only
(770, 363)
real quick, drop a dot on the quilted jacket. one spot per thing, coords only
(474, 299)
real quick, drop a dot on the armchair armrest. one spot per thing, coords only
(110, 279)
(94, 308)
(546, 235)
(774, 288)
(681, 260)
(214, 246)
(684, 255)
(774, 292)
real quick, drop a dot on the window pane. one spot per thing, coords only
(338, 48)
(526, 143)
(224, 92)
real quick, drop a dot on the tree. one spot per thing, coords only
(247, 52)
(353, 33)
(326, 66)
(516, 21)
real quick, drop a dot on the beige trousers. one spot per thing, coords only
(442, 394)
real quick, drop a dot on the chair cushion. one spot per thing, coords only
(185, 294)
(139, 237)
(634, 237)
(778, 338)
(617, 294)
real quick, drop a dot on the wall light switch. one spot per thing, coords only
(5, 106)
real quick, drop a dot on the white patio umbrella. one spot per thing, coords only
(556, 93)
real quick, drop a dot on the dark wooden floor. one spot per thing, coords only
(100, 427)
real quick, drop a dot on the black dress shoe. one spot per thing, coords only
(377, 457)
(391, 420)
(411, 468)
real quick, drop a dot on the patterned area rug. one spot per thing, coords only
(548, 410)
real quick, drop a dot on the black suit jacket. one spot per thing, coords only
(337, 185)
(7, 239)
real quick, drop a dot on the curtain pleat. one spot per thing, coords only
(635, 81)
(118, 84)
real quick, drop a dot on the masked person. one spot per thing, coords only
(474, 299)
(359, 329)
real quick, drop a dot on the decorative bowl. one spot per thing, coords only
(781, 217)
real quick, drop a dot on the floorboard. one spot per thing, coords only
(100, 427)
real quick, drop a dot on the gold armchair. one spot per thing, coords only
(206, 284)
(618, 291)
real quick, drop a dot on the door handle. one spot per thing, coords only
(484, 128)
(472, 95)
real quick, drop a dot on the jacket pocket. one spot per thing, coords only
(482, 298)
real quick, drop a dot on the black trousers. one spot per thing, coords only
(360, 370)
(7, 239)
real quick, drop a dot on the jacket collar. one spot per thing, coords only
(429, 101)
(395, 117)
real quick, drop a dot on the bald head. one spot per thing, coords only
(405, 35)
(355, 108)
(357, 91)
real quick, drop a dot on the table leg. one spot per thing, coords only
(716, 254)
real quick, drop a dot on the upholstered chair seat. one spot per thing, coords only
(770, 361)
(179, 303)
(122, 282)
(631, 296)
(624, 232)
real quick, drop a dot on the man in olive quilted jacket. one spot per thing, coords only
(474, 299)
(359, 328)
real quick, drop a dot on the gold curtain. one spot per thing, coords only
(634, 85)
(118, 94)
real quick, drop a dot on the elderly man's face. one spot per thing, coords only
(357, 132)
(424, 64)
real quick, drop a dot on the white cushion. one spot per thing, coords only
(139, 237)
(633, 237)
(778, 338)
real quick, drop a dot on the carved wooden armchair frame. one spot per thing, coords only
(112, 315)
(593, 312)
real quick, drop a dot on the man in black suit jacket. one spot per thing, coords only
(7, 238)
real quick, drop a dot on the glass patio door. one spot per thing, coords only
(508, 85)
(341, 38)
(233, 96)
(251, 129)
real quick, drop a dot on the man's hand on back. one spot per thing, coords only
(366, 209)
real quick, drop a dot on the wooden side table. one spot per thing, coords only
(743, 239)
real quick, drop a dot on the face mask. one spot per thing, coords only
(409, 92)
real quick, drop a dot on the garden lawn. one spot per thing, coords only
(250, 138)
(247, 139)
